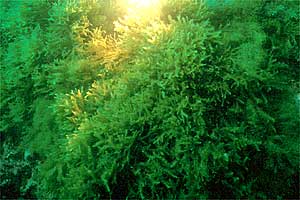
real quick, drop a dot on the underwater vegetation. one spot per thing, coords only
(162, 99)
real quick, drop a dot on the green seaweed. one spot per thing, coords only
(200, 102)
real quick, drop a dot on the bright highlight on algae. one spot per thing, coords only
(168, 99)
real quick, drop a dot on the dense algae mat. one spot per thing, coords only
(161, 99)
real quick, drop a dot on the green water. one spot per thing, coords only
(190, 100)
